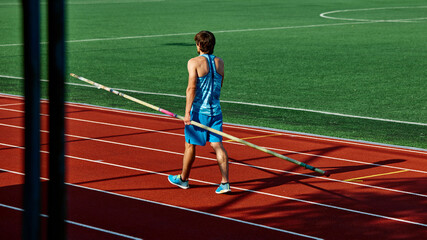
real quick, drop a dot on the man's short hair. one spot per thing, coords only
(206, 41)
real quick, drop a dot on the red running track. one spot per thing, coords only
(118, 161)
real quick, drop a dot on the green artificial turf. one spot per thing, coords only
(278, 53)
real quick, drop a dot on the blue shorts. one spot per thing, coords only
(199, 136)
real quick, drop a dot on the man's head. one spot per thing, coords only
(205, 42)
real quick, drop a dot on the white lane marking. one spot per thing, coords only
(276, 196)
(177, 134)
(169, 205)
(258, 167)
(10, 104)
(71, 222)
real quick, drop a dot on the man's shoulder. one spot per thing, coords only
(202, 58)
(201, 61)
(216, 57)
(196, 59)
(219, 60)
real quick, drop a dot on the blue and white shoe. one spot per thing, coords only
(176, 180)
(223, 188)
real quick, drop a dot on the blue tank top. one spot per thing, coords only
(208, 90)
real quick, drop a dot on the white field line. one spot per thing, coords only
(68, 221)
(169, 205)
(328, 113)
(240, 164)
(249, 104)
(193, 33)
(325, 14)
(265, 194)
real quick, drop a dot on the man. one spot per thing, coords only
(205, 78)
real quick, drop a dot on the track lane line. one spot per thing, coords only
(10, 104)
(243, 164)
(279, 171)
(69, 221)
(252, 191)
(335, 140)
(346, 160)
(270, 148)
(171, 206)
(260, 136)
(291, 134)
(250, 128)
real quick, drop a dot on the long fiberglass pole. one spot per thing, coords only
(99, 86)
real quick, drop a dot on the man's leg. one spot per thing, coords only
(187, 162)
(222, 158)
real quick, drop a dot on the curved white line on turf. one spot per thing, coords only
(325, 15)
(71, 222)
(173, 206)
(251, 104)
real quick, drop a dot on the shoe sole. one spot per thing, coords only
(183, 187)
(223, 191)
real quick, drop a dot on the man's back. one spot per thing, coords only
(208, 86)
(202, 67)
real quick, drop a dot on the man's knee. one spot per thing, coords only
(216, 145)
(219, 149)
(189, 146)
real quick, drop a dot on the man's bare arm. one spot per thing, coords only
(220, 68)
(191, 89)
